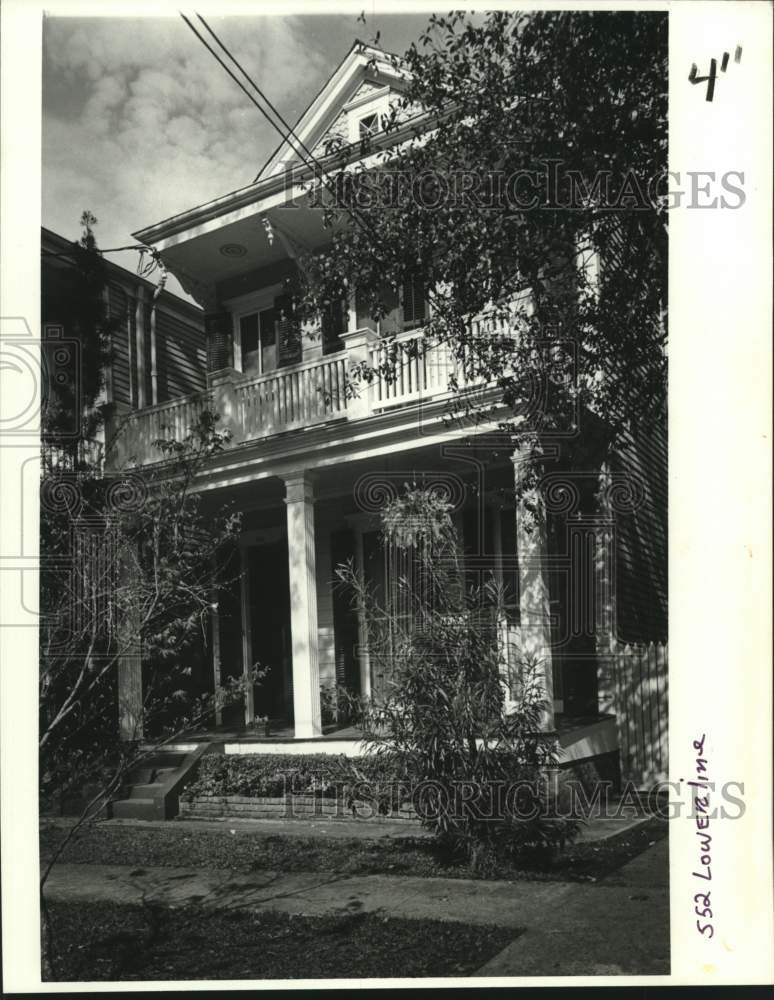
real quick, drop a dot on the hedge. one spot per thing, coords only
(374, 778)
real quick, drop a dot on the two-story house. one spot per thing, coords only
(309, 465)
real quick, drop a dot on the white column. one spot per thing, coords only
(503, 631)
(130, 704)
(534, 594)
(299, 501)
(129, 673)
(358, 345)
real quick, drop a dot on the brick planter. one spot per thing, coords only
(288, 807)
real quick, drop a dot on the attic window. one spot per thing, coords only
(369, 125)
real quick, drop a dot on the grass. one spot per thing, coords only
(182, 845)
(109, 941)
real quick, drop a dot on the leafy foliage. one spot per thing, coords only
(370, 778)
(472, 760)
(138, 556)
(568, 108)
(72, 408)
(132, 565)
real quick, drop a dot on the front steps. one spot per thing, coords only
(152, 788)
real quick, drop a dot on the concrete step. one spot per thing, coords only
(136, 809)
(144, 791)
(151, 789)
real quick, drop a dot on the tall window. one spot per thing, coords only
(259, 341)
(334, 322)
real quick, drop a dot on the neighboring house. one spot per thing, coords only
(310, 467)
(158, 347)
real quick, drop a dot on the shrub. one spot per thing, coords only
(441, 715)
(373, 779)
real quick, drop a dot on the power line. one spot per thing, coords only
(320, 170)
(77, 248)
(365, 226)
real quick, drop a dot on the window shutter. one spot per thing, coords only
(413, 303)
(288, 332)
(217, 328)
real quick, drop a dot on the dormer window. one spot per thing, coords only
(367, 113)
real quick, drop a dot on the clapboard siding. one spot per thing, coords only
(121, 358)
(181, 356)
(641, 537)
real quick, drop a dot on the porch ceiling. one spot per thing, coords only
(258, 237)
(357, 485)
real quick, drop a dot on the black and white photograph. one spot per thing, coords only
(352, 469)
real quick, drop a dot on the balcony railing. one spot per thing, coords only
(290, 398)
(303, 395)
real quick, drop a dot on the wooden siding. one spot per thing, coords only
(181, 356)
(634, 684)
(641, 537)
(122, 352)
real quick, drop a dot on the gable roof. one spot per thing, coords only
(362, 64)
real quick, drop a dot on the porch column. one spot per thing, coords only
(504, 642)
(129, 663)
(130, 707)
(299, 501)
(534, 594)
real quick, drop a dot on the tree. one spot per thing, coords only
(473, 763)
(535, 197)
(72, 407)
(130, 569)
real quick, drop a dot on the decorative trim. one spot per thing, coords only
(299, 487)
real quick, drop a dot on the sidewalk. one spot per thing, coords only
(593, 830)
(569, 928)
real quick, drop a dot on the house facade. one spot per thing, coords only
(310, 464)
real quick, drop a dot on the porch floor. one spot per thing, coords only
(279, 731)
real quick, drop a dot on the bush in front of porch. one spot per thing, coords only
(375, 780)
(474, 759)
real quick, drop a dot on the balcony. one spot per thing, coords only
(296, 397)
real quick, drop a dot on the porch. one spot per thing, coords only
(282, 609)
(311, 394)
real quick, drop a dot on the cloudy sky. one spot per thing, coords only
(140, 122)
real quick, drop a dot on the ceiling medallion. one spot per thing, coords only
(233, 250)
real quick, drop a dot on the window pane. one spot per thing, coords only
(248, 328)
(369, 125)
(268, 332)
(334, 323)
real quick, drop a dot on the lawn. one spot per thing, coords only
(107, 941)
(181, 844)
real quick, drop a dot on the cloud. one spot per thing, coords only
(140, 122)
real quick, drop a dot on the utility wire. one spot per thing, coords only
(290, 129)
(320, 170)
(76, 249)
